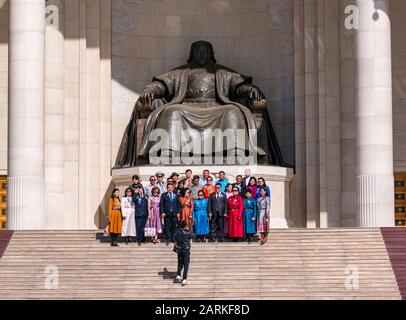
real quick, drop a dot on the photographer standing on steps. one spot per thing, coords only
(182, 248)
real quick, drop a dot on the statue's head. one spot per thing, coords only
(202, 53)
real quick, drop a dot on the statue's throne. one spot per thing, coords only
(258, 108)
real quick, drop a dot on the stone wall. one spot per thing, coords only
(347, 114)
(325, 74)
(87, 111)
(85, 115)
(317, 183)
(254, 37)
(398, 14)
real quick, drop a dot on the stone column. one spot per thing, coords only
(54, 115)
(374, 136)
(26, 115)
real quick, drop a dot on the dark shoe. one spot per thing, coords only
(129, 240)
(167, 243)
(114, 243)
(139, 243)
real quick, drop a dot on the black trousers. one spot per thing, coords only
(183, 263)
(217, 226)
(113, 237)
(170, 224)
(140, 223)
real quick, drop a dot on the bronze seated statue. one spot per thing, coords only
(199, 96)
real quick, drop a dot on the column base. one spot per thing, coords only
(375, 201)
(25, 203)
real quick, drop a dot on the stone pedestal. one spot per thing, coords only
(279, 180)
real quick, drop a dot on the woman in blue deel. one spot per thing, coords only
(200, 216)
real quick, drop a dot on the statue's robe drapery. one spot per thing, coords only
(223, 113)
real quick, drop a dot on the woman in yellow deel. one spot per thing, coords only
(115, 217)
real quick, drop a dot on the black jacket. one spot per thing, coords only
(245, 182)
(217, 206)
(170, 208)
(182, 239)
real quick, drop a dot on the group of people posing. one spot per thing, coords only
(214, 209)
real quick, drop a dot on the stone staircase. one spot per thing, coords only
(295, 264)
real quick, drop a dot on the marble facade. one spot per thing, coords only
(102, 52)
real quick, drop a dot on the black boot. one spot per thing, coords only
(126, 240)
(112, 239)
(115, 240)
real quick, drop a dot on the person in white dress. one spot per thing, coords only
(128, 212)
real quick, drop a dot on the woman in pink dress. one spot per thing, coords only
(154, 225)
(252, 185)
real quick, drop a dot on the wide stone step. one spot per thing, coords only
(295, 263)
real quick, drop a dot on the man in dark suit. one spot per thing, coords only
(217, 209)
(170, 211)
(240, 185)
(141, 213)
(247, 177)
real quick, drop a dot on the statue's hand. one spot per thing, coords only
(147, 96)
(256, 95)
